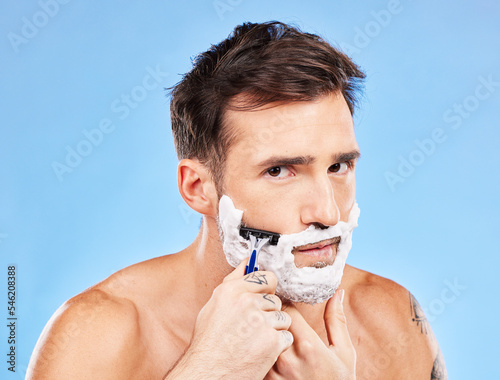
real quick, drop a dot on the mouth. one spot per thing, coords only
(317, 255)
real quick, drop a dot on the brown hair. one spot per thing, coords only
(267, 62)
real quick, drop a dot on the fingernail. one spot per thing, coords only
(342, 293)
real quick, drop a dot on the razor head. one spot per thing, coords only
(245, 232)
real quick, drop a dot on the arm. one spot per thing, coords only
(404, 345)
(438, 371)
(393, 339)
(400, 343)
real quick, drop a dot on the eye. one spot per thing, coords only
(340, 168)
(274, 172)
(278, 172)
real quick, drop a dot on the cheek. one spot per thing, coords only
(268, 210)
(270, 214)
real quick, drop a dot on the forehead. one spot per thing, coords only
(324, 125)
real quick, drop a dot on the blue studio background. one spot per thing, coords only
(77, 205)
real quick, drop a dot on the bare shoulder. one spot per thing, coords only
(88, 335)
(391, 322)
(118, 328)
(383, 300)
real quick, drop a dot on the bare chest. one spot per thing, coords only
(382, 357)
(164, 342)
(375, 359)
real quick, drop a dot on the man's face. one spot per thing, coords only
(292, 166)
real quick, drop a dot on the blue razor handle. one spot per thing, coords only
(251, 266)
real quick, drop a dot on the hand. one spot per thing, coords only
(240, 332)
(309, 357)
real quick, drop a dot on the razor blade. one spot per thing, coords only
(273, 237)
(258, 238)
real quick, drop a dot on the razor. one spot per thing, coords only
(258, 238)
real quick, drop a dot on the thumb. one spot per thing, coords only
(238, 272)
(335, 321)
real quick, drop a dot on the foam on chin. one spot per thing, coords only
(307, 284)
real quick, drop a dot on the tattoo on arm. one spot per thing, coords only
(256, 278)
(268, 298)
(439, 368)
(418, 316)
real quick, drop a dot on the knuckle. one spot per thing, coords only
(306, 349)
(255, 318)
(243, 330)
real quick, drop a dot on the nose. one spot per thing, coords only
(319, 206)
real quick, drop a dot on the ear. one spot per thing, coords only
(197, 187)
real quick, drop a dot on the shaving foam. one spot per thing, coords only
(308, 284)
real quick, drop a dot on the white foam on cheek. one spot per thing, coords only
(236, 248)
(308, 284)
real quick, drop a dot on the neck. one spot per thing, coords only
(206, 261)
(314, 316)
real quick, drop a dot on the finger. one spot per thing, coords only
(260, 282)
(279, 320)
(238, 272)
(269, 302)
(255, 282)
(286, 339)
(299, 327)
(335, 321)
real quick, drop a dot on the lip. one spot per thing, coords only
(316, 255)
(317, 246)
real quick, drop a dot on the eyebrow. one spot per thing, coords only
(306, 160)
(349, 156)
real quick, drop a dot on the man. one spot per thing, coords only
(264, 132)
